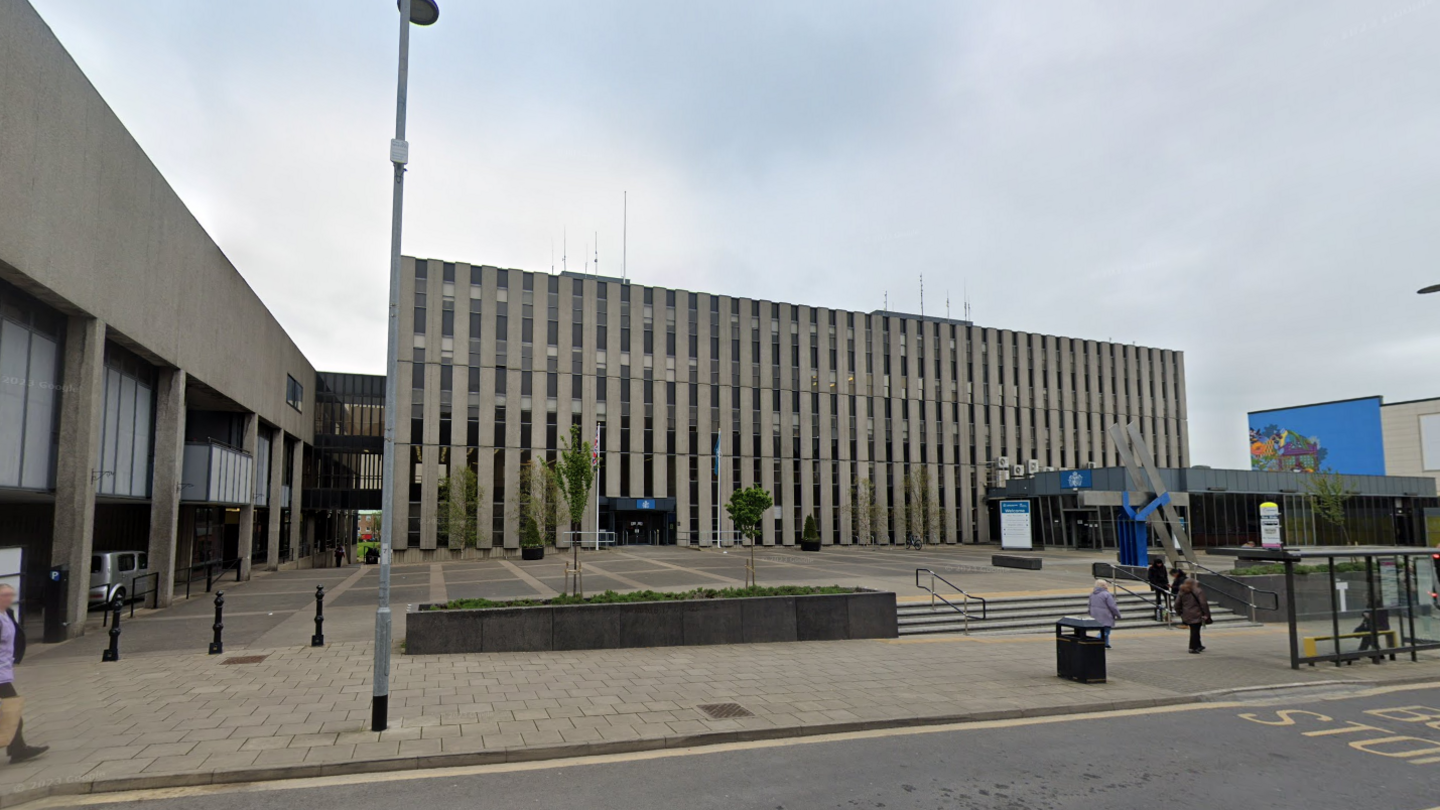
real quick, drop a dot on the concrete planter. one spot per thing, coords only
(824, 617)
(815, 546)
(532, 553)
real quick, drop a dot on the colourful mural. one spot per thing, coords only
(1343, 436)
(1275, 449)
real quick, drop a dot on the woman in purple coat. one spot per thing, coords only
(1103, 609)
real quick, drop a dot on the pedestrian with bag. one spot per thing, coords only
(1104, 610)
(1194, 612)
(1159, 580)
(12, 650)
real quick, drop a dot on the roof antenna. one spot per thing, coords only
(922, 295)
(597, 254)
(887, 301)
(967, 301)
(564, 250)
(552, 255)
(947, 305)
(624, 237)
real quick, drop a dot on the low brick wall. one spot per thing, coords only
(822, 617)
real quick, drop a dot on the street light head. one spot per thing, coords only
(423, 12)
(1431, 289)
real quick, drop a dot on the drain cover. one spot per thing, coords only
(245, 659)
(723, 711)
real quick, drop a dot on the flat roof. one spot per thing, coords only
(1306, 552)
(1318, 404)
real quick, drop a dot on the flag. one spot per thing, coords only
(595, 448)
(717, 455)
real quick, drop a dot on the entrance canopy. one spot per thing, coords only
(1350, 602)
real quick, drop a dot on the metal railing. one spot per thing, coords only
(1254, 592)
(139, 595)
(213, 569)
(1251, 596)
(965, 600)
(1112, 572)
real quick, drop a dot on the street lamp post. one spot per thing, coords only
(417, 12)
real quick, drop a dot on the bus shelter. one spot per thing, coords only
(1353, 602)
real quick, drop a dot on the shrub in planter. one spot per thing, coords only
(810, 537)
(532, 545)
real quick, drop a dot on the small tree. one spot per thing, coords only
(864, 510)
(575, 475)
(747, 508)
(922, 512)
(459, 496)
(540, 498)
(529, 531)
(1328, 494)
(811, 532)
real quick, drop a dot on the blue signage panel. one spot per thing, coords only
(1076, 479)
(1341, 436)
(645, 503)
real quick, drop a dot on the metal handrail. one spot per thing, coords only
(140, 596)
(1252, 602)
(1096, 569)
(963, 611)
(209, 568)
(1253, 590)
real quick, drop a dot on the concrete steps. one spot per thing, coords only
(1032, 614)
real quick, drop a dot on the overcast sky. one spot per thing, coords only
(1256, 184)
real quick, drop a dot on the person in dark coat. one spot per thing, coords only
(1194, 611)
(1177, 579)
(12, 650)
(1104, 610)
(1159, 584)
(1372, 621)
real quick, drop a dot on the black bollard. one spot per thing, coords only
(113, 653)
(217, 646)
(318, 640)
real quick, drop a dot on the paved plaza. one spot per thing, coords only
(277, 609)
(168, 714)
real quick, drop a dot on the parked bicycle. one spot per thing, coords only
(914, 541)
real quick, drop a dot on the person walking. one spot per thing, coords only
(1104, 610)
(1194, 611)
(339, 554)
(1159, 584)
(12, 650)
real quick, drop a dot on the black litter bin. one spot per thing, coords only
(1079, 655)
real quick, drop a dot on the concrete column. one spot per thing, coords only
(247, 512)
(277, 480)
(297, 474)
(77, 460)
(165, 485)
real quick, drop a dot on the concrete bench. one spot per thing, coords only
(1012, 561)
(1392, 638)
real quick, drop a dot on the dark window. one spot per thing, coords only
(294, 393)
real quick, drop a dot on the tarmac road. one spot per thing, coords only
(1308, 749)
